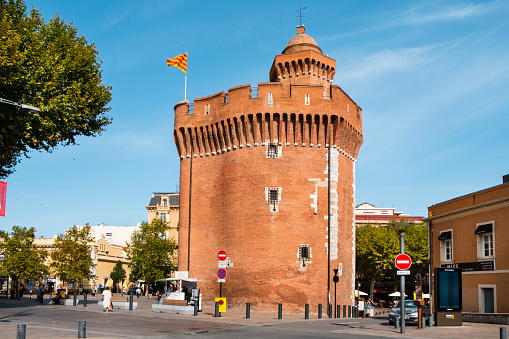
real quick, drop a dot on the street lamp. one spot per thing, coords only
(22, 106)
(335, 279)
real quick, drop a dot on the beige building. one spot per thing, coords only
(165, 206)
(471, 232)
(108, 247)
(369, 214)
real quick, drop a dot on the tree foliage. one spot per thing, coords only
(377, 247)
(22, 259)
(118, 273)
(72, 261)
(46, 65)
(150, 253)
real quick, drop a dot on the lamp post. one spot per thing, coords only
(335, 279)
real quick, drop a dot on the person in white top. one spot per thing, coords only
(106, 298)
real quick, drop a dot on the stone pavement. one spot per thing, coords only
(52, 321)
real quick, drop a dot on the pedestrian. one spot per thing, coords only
(106, 299)
(21, 289)
(30, 289)
(40, 293)
(123, 291)
(94, 291)
(138, 292)
(150, 291)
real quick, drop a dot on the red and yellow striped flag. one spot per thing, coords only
(180, 61)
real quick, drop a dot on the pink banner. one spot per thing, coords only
(3, 194)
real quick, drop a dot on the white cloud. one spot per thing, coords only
(387, 61)
(447, 13)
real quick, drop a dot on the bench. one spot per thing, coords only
(174, 302)
(68, 302)
(119, 303)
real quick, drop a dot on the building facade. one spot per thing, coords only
(254, 177)
(369, 214)
(165, 206)
(471, 232)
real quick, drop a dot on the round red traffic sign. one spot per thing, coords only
(221, 255)
(221, 273)
(403, 261)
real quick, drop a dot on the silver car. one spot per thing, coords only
(411, 312)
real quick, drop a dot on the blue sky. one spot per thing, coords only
(432, 78)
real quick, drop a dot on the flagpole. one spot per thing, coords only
(185, 82)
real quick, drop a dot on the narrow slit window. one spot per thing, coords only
(269, 98)
(306, 99)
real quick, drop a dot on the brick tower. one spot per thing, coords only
(254, 182)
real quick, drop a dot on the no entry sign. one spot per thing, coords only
(403, 262)
(221, 255)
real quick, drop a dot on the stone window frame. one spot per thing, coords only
(486, 238)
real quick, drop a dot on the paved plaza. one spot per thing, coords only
(56, 321)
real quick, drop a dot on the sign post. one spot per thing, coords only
(403, 263)
(221, 272)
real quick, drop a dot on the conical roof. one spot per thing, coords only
(301, 42)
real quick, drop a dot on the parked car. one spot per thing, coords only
(411, 312)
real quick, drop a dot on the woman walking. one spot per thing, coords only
(106, 298)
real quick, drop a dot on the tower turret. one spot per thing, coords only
(303, 63)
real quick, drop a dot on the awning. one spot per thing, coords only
(485, 228)
(445, 235)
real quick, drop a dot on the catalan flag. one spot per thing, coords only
(180, 61)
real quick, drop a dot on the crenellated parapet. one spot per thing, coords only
(225, 122)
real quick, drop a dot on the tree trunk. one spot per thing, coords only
(371, 288)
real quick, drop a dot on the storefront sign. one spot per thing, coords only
(473, 266)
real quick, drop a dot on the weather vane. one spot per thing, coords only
(300, 13)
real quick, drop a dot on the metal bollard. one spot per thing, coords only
(349, 311)
(82, 329)
(22, 331)
(248, 310)
(74, 300)
(319, 311)
(502, 333)
(84, 300)
(430, 320)
(306, 311)
(329, 312)
(396, 322)
(344, 311)
(130, 302)
(280, 311)
(216, 309)
(338, 311)
(423, 322)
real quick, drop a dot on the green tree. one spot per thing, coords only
(72, 261)
(117, 274)
(150, 253)
(46, 65)
(377, 247)
(22, 258)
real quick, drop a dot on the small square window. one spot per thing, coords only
(304, 252)
(273, 196)
(272, 150)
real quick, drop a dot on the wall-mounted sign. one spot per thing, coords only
(488, 265)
